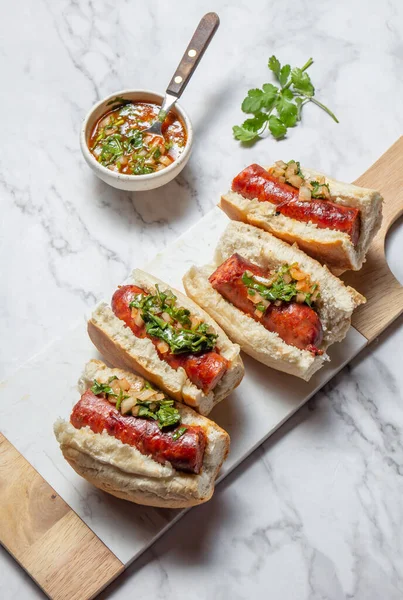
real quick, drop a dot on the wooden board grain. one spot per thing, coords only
(375, 280)
(58, 550)
(46, 537)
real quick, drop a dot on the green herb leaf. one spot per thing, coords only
(179, 339)
(258, 99)
(178, 433)
(284, 75)
(277, 128)
(302, 82)
(134, 140)
(274, 65)
(102, 388)
(244, 135)
(286, 109)
(162, 411)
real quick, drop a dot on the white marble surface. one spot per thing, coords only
(316, 511)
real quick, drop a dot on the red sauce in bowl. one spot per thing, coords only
(118, 143)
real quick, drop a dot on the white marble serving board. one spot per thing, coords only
(45, 388)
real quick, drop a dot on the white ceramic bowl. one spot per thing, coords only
(134, 182)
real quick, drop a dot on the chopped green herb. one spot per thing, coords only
(295, 89)
(102, 388)
(278, 289)
(117, 102)
(162, 411)
(179, 339)
(178, 433)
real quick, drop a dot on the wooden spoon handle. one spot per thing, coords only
(195, 50)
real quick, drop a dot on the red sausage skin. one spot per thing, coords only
(296, 324)
(256, 182)
(185, 454)
(204, 370)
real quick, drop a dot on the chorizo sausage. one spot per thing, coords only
(204, 370)
(185, 454)
(296, 324)
(256, 182)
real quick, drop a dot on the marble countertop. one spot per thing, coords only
(315, 513)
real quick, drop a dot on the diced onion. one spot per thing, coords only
(194, 321)
(115, 386)
(138, 319)
(300, 297)
(323, 190)
(256, 299)
(163, 347)
(277, 303)
(281, 179)
(127, 405)
(159, 396)
(146, 395)
(277, 172)
(165, 160)
(135, 410)
(314, 295)
(281, 164)
(123, 384)
(265, 280)
(304, 194)
(295, 180)
(287, 278)
(167, 318)
(291, 170)
(259, 313)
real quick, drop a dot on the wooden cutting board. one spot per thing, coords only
(59, 551)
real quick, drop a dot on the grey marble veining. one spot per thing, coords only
(316, 512)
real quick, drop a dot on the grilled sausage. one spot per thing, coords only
(296, 324)
(204, 370)
(185, 454)
(256, 182)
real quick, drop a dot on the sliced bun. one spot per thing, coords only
(328, 246)
(121, 470)
(334, 310)
(118, 344)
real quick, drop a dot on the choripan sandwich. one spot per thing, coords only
(331, 221)
(167, 338)
(280, 305)
(131, 440)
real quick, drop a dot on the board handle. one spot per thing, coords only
(375, 280)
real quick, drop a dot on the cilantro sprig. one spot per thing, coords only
(278, 107)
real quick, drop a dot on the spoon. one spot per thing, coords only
(187, 66)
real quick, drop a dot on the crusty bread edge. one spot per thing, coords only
(180, 491)
(122, 348)
(329, 247)
(267, 347)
